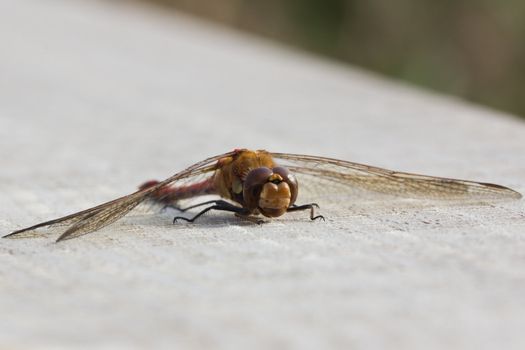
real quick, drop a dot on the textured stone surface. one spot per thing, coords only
(96, 97)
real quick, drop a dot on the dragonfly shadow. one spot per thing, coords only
(165, 219)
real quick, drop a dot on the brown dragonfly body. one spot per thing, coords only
(250, 183)
(249, 178)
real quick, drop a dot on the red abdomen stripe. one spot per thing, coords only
(168, 195)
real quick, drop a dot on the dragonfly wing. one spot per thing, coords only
(332, 176)
(95, 218)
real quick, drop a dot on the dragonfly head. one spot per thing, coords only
(271, 191)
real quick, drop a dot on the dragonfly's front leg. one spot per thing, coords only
(218, 205)
(310, 207)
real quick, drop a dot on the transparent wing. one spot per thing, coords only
(95, 218)
(327, 176)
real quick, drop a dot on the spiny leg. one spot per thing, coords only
(310, 206)
(219, 205)
(215, 201)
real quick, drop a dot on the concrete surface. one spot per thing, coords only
(96, 97)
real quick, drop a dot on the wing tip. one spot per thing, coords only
(10, 235)
(18, 233)
(65, 236)
(506, 192)
(516, 195)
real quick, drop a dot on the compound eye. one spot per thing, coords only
(290, 179)
(253, 183)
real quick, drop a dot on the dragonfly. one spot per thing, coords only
(258, 183)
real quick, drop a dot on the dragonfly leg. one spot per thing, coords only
(192, 206)
(310, 207)
(218, 205)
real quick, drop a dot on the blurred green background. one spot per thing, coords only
(473, 49)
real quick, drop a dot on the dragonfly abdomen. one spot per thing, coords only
(170, 194)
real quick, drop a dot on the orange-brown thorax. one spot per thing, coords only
(252, 179)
